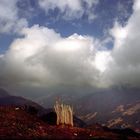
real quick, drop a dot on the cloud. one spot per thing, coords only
(124, 69)
(70, 9)
(9, 19)
(43, 58)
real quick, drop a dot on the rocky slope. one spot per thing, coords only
(16, 123)
(24, 119)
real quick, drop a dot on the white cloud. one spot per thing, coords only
(9, 19)
(102, 59)
(70, 9)
(124, 69)
(44, 58)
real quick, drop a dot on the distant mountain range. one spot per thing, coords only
(23, 118)
(115, 108)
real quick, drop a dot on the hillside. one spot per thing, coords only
(21, 118)
(16, 123)
(8, 99)
(115, 108)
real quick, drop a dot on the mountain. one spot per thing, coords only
(16, 123)
(10, 100)
(115, 108)
(111, 109)
(33, 108)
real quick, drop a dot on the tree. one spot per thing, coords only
(64, 114)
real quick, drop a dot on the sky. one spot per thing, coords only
(71, 44)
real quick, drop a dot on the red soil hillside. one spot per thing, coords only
(15, 123)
